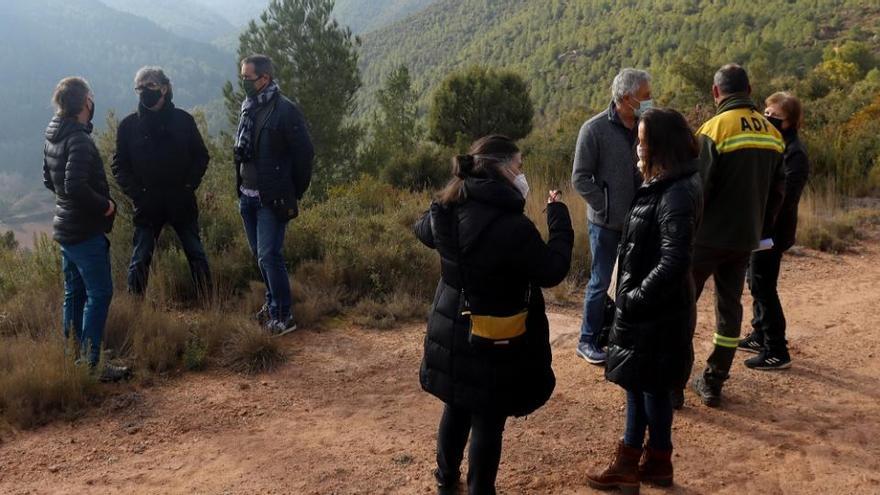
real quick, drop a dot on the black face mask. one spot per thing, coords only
(777, 123)
(149, 97)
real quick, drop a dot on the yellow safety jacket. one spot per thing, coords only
(743, 178)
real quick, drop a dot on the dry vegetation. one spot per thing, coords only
(352, 259)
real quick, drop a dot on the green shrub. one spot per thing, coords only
(426, 167)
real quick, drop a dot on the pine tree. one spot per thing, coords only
(478, 102)
(316, 65)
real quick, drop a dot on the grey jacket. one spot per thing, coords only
(604, 171)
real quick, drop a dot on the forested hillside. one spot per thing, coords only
(237, 12)
(569, 51)
(364, 16)
(41, 42)
(185, 18)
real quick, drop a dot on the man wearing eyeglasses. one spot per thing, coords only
(159, 162)
(273, 164)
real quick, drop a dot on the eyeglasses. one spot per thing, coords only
(245, 78)
(143, 87)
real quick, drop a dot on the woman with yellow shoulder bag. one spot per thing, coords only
(487, 350)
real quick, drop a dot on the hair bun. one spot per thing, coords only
(465, 165)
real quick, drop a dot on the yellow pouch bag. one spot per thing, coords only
(496, 331)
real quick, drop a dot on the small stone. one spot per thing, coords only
(244, 386)
(54, 468)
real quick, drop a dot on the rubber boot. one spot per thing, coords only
(656, 467)
(622, 473)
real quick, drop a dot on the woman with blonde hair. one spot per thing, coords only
(767, 339)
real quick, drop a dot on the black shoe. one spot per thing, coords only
(677, 399)
(768, 361)
(112, 373)
(445, 486)
(709, 395)
(277, 328)
(754, 342)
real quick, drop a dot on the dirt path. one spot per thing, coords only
(346, 416)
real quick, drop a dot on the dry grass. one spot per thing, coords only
(390, 312)
(570, 290)
(40, 381)
(251, 350)
(824, 223)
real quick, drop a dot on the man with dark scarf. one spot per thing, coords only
(159, 162)
(273, 165)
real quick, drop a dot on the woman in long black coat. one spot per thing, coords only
(650, 351)
(494, 255)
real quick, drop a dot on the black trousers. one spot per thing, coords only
(485, 450)
(728, 270)
(769, 320)
(144, 241)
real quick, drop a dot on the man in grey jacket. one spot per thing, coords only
(605, 174)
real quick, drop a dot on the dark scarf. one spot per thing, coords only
(244, 147)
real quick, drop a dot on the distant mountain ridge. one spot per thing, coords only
(185, 18)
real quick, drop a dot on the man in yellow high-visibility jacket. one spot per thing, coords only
(743, 186)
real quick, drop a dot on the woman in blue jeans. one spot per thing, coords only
(650, 351)
(84, 213)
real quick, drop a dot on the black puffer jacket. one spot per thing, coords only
(650, 343)
(74, 171)
(797, 171)
(159, 162)
(502, 255)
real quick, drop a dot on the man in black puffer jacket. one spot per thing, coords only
(84, 213)
(159, 162)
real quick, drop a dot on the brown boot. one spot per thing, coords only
(622, 473)
(656, 467)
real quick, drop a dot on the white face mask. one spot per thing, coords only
(640, 151)
(644, 106)
(522, 185)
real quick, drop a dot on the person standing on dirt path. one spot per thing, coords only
(605, 175)
(84, 214)
(159, 163)
(785, 112)
(650, 348)
(273, 156)
(743, 187)
(487, 350)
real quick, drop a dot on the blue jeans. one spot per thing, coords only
(603, 246)
(88, 290)
(265, 233)
(144, 242)
(651, 411)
